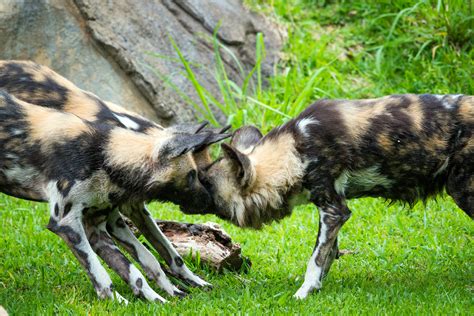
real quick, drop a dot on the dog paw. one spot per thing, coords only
(180, 294)
(120, 298)
(198, 282)
(305, 290)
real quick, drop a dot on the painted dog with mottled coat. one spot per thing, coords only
(40, 85)
(175, 164)
(401, 147)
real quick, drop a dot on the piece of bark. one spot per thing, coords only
(214, 245)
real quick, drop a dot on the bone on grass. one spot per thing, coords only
(214, 245)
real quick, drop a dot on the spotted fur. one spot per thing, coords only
(112, 157)
(401, 147)
(40, 85)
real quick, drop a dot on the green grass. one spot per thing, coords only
(408, 261)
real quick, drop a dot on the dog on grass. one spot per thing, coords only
(401, 147)
(40, 85)
(93, 161)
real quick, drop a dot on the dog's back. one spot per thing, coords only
(401, 147)
(34, 146)
(38, 84)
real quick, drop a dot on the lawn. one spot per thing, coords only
(408, 260)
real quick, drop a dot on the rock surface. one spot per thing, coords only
(102, 46)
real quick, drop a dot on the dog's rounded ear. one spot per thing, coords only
(246, 138)
(241, 165)
(180, 143)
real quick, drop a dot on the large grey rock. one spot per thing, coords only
(103, 46)
(53, 33)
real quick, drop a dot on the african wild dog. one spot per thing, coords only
(401, 147)
(88, 172)
(40, 85)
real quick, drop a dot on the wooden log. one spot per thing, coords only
(209, 240)
(214, 245)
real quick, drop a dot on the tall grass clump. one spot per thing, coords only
(386, 47)
(337, 49)
(251, 98)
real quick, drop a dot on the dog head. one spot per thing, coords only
(177, 160)
(230, 178)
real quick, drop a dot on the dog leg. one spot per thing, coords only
(66, 222)
(146, 224)
(122, 234)
(104, 246)
(331, 219)
(333, 254)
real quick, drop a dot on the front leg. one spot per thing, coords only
(147, 225)
(103, 245)
(333, 254)
(331, 219)
(122, 233)
(66, 222)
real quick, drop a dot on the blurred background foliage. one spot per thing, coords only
(348, 49)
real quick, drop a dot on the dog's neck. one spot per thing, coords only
(278, 173)
(130, 157)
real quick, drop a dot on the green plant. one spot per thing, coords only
(408, 261)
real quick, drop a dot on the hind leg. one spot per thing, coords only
(461, 187)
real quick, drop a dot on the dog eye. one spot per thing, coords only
(192, 175)
(203, 179)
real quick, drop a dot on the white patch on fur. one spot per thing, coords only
(95, 266)
(341, 182)
(365, 179)
(11, 156)
(120, 298)
(147, 291)
(127, 122)
(303, 124)
(54, 197)
(442, 168)
(21, 175)
(16, 132)
(313, 271)
(74, 221)
(448, 100)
